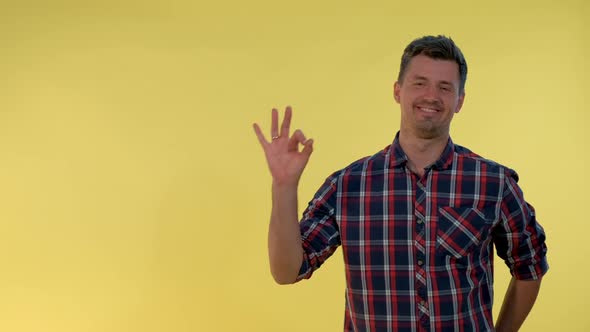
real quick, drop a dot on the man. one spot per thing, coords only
(417, 221)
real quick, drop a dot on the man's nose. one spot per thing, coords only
(431, 93)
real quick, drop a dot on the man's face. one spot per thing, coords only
(429, 96)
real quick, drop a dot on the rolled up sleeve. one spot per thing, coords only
(519, 238)
(319, 230)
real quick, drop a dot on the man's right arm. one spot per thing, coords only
(286, 164)
(284, 238)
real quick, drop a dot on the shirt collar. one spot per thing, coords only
(397, 156)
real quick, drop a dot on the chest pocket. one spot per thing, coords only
(461, 230)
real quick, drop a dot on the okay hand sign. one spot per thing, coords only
(285, 161)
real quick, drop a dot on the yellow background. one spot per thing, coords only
(134, 195)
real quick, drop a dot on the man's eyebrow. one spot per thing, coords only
(424, 78)
(418, 77)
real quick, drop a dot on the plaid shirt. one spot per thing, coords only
(418, 251)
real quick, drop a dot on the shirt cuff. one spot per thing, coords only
(531, 272)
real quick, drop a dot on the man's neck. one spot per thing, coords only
(422, 152)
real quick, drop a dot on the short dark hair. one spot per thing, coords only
(435, 47)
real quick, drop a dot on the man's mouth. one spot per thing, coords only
(428, 109)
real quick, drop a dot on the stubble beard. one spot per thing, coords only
(427, 129)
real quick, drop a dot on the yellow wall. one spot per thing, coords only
(134, 195)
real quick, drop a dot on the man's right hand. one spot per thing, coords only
(285, 162)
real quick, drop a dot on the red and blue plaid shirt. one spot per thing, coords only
(418, 251)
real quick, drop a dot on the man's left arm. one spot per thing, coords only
(520, 241)
(518, 302)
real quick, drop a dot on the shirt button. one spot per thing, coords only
(419, 221)
(420, 262)
(421, 291)
(425, 322)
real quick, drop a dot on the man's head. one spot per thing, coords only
(430, 86)
(438, 48)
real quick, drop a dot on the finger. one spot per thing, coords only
(274, 127)
(286, 122)
(294, 141)
(260, 135)
(308, 147)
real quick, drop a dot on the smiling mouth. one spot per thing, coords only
(428, 109)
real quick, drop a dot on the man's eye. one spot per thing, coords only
(418, 84)
(445, 88)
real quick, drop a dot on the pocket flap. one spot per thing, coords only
(461, 229)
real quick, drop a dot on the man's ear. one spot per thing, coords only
(460, 103)
(396, 90)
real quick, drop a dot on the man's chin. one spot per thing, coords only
(429, 132)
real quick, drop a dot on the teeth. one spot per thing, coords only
(429, 110)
